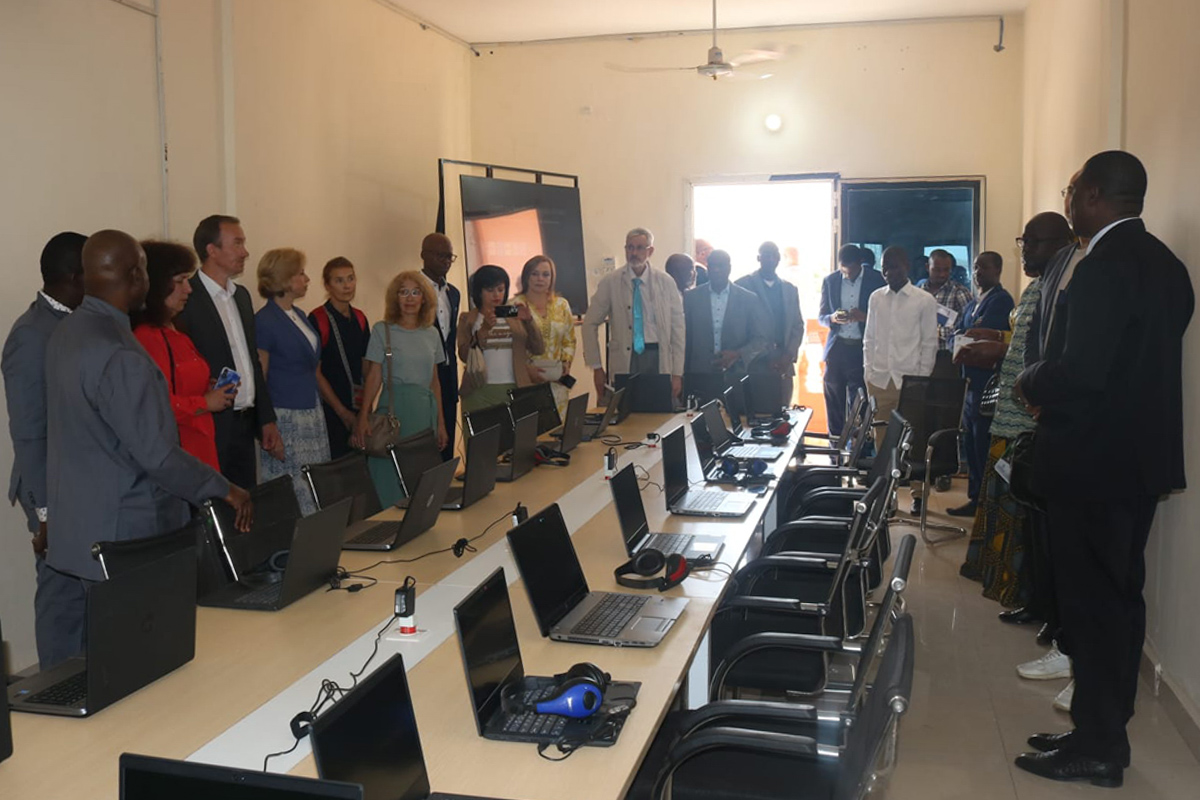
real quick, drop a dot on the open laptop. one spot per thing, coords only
(275, 513)
(141, 625)
(558, 591)
(726, 444)
(536, 399)
(650, 393)
(493, 416)
(734, 400)
(524, 445)
(694, 502)
(479, 475)
(6, 742)
(312, 561)
(635, 530)
(492, 660)
(423, 509)
(369, 737)
(572, 430)
(149, 778)
(711, 466)
(595, 425)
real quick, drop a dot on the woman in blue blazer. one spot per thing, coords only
(289, 349)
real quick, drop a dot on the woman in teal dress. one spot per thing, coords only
(407, 382)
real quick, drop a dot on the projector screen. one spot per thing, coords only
(508, 222)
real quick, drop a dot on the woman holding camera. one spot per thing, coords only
(552, 315)
(505, 337)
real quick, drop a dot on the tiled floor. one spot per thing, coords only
(970, 714)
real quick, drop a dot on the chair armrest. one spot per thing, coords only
(937, 435)
(782, 605)
(787, 562)
(751, 710)
(712, 739)
(834, 493)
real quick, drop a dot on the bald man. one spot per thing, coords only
(115, 470)
(681, 267)
(437, 254)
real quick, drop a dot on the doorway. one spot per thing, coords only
(798, 214)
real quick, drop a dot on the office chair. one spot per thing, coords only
(119, 557)
(933, 406)
(413, 456)
(276, 510)
(839, 439)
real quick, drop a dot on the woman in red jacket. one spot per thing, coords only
(188, 380)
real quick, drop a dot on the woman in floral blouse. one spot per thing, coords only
(552, 316)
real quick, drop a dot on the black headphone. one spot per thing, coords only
(544, 454)
(651, 562)
(579, 693)
(776, 429)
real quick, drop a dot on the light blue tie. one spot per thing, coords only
(639, 335)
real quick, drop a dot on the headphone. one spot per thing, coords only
(755, 467)
(543, 454)
(650, 562)
(579, 693)
(776, 429)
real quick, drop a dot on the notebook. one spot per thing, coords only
(479, 476)
(694, 502)
(635, 530)
(565, 609)
(423, 509)
(612, 414)
(149, 778)
(524, 445)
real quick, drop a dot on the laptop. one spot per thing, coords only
(651, 393)
(6, 742)
(524, 444)
(141, 625)
(149, 778)
(695, 502)
(595, 425)
(479, 476)
(312, 560)
(493, 416)
(536, 399)
(558, 591)
(572, 431)
(423, 509)
(635, 530)
(725, 444)
(491, 655)
(711, 467)
(369, 737)
(704, 386)
(275, 513)
(764, 392)
(734, 400)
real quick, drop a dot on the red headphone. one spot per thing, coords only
(650, 562)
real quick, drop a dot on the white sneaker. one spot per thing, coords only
(1063, 701)
(1047, 668)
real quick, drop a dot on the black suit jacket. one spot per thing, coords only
(1035, 340)
(1110, 384)
(448, 369)
(201, 321)
(831, 300)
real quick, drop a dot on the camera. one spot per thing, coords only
(506, 311)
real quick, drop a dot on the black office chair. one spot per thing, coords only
(933, 406)
(348, 476)
(854, 418)
(276, 510)
(119, 557)
(413, 456)
(771, 753)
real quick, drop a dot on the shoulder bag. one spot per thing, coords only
(356, 389)
(384, 429)
(990, 396)
(475, 371)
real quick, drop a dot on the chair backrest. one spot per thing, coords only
(870, 749)
(276, 510)
(415, 455)
(119, 557)
(896, 427)
(348, 476)
(931, 405)
(856, 540)
(853, 418)
(861, 432)
(880, 628)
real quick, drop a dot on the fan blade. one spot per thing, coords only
(623, 68)
(755, 57)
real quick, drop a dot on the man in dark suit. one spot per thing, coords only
(725, 324)
(220, 321)
(437, 254)
(844, 296)
(988, 312)
(785, 324)
(1112, 366)
(24, 367)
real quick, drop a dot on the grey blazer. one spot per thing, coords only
(1036, 340)
(793, 320)
(743, 329)
(24, 367)
(115, 470)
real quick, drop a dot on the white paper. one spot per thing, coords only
(961, 341)
(946, 316)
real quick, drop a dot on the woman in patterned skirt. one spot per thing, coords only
(552, 316)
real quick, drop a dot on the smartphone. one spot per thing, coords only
(506, 311)
(226, 378)
(567, 381)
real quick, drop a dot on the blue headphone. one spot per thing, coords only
(579, 694)
(731, 466)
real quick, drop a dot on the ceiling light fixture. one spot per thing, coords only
(773, 122)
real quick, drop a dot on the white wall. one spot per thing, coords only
(868, 101)
(318, 123)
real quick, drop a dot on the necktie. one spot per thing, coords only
(639, 334)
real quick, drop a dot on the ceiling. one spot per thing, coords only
(489, 21)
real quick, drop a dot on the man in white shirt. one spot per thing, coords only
(900, 337)
(644, 313)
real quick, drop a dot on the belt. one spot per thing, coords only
(851, 342)
(243, 411)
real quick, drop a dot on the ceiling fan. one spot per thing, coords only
(716, 66)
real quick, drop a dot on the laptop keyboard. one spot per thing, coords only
(378, 533)
(669, 543)
(610, 616)
(705, 501)
(71, 692)
(748, 451)
(264, 596)
(532, 723)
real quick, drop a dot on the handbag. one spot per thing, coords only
(989, 397)
(384, 430)
(475, 370)
(1020, 483)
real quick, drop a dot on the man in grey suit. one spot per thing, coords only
(115, 470)
(24, 367)
(785, 323)
(725, 324)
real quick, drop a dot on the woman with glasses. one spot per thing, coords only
(406, 381)
(552, 315)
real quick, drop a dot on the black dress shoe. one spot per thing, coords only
(966, 510)
(1046, 742)
(1018, 616)
(1045, 635)
(1059, 765)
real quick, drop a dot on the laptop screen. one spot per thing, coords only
(675, 470)
(735, 403)
(485, 418)
(147, 778)
(537, 399)
(6, 743)
(627, 497)
(370, 737)
(541, 546)
(704, 448)
(716, 425)
(488, 637)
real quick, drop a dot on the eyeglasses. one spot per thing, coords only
(1032, 241)
(408, 292)
(1066, 190)
(637, 247)
(449, 258)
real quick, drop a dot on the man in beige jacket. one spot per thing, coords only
(644, 313)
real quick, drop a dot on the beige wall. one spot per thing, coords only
(906, 100)
(319, 123)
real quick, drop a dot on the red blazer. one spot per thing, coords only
(187, 380)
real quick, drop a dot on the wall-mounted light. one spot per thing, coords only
(773, 122)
